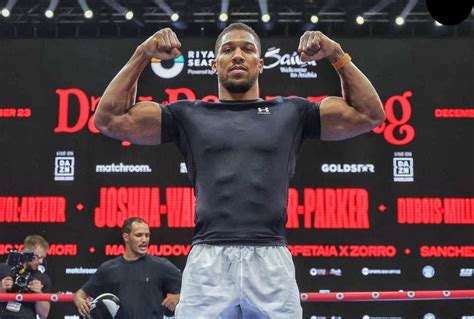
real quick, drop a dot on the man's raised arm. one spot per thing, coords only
(360, 110)
(117, 115)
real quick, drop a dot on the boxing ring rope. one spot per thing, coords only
(32, 297)
(305, 297)
(387, 295)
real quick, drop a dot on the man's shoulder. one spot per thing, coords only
(41, 276)
(297, 100)
(180, 109)
(154, 259)
(111, 262)
(181, 104)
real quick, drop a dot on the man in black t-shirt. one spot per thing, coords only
(32, 280)
(147, 286)
(240, 152)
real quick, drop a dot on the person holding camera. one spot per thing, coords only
(27, 276)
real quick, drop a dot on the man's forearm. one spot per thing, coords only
(358, 91)
(120, 94)
(80, 300)
(80, 295)
(42, 308)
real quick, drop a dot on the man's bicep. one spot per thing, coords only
(341, 121)
(172, 282)
(141, 124)
(46, 284)
(95, 284)
(5, 271)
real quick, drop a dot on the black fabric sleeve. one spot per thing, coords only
(4, 271)
(312, 121)
(172, 278)
(169, 130)
(94, 286)
(46, 281)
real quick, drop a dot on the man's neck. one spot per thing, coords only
(129, 256)
(252, 94)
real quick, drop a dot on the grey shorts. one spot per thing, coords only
(239, 282)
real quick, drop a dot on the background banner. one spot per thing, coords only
(390, 210)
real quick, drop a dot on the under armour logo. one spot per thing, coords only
(263, 110)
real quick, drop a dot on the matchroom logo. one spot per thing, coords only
(122, 168)
(168, 72)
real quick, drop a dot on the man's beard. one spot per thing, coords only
(237, 86)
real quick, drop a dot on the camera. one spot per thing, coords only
(17, 261)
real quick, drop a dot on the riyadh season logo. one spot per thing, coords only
(64, 166)
(168, 72)
(198, 62)
(403, 167)
(428, 271)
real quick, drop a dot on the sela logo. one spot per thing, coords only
(466, 272)
(290, 64)
(64, 166)
(403, 170)
(263, 110)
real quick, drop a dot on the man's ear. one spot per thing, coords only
(260, 66)
(214, 66)
(125, 237)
